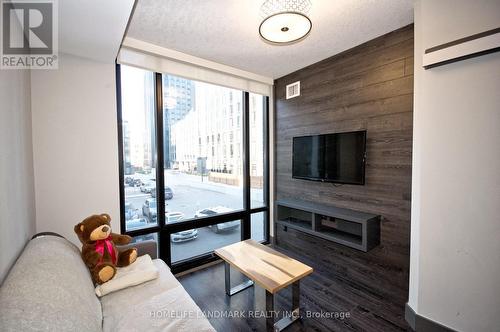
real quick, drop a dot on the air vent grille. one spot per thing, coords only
(293, 90)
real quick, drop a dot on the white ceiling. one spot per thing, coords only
(93, 28)
(226, 31)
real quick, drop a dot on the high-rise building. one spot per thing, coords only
(149, 123)
(213, 131)
(178, 100)
(127, 164)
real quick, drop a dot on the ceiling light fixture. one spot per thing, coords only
(285, 21)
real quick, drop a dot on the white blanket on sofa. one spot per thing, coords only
(140, 271)
(159, 305)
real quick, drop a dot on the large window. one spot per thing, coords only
(201, 150)
(139, 148)
(202, 143)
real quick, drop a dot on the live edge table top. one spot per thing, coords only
(267, 267)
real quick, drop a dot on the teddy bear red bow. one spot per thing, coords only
(99, 250)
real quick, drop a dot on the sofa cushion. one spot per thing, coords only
(50, 289)
(157, 305)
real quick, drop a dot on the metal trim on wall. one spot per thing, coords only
(267, 176)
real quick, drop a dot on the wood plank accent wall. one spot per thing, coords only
(369, 87)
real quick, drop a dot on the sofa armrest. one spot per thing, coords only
(144, 247)
(46, 234)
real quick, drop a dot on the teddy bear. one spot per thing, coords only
(99, 250)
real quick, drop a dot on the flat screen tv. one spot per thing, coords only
(338, 158)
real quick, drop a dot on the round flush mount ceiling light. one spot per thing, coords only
(285, 21)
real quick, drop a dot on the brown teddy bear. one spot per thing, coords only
(99, 251)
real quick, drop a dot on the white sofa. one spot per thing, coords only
(49, 289)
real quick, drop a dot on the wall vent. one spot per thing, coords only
(293, 90)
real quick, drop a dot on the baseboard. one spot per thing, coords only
(410, 316)
(421, 324)
(197, 268)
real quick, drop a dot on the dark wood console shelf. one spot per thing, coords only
(355, 229)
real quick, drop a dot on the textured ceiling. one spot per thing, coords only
(226, 31)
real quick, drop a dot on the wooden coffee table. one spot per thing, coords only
(268, 268)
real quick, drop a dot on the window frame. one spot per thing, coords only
(163, 229)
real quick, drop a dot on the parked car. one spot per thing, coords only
(172, 217)
(136, 223)
(169, 194)
(147, 237)
(130, 211)
(129, 181)
(191, 234)
(226, 226)
(148, 188)
(145, 170)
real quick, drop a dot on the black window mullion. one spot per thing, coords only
(143, 231)
(164, 244)
(258, 209)
(207, 221)
(121, 169)
(245, 229)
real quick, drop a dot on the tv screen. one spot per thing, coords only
(336, 158)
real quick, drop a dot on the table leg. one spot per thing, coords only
(289, 317)
(296, 299)
(231, 291)
(270, 311)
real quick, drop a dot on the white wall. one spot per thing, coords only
(455, 244)
(17, 206)
(75, 144)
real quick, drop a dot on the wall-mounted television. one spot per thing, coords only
(338, 158)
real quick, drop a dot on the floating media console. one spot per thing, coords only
(355, 229)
